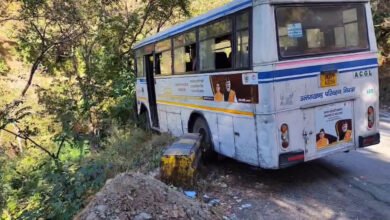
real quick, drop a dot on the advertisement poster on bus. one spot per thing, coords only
(231, 88)
(334, 125)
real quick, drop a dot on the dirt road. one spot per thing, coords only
(353, 185)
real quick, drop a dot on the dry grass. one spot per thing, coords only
(133, 149)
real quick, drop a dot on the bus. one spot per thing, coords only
(270, 83)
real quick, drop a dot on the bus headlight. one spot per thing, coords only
(371, 117)
(284, 135)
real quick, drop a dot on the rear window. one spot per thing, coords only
(321, 29)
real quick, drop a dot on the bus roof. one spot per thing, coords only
(305, 1)
(227, 9)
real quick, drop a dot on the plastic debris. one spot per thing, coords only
(190, 194)
(245, 206)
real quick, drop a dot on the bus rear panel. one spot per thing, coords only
(277, 82)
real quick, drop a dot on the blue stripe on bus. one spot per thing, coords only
(191, 24)
(359, 68)
(297, 73)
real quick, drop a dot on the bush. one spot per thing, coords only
(35, 186)
(133, 149)
(4, 68)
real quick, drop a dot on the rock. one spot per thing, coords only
(206, 198)
(92, 216)
(143, 216)
(214, 202)
(245, 206)
(101, 208)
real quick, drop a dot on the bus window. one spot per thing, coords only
(140, 67)
(185, 53)
(163, 60)
(242, 35)
(321, 29)
(216, 46)
(140, 63)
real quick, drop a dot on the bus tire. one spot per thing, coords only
(144, 121)
(200, 126)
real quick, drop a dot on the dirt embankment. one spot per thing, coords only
(136, 196)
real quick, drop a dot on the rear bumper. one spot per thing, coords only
(369, 140)
(291, 159)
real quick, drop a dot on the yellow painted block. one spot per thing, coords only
(180, 161)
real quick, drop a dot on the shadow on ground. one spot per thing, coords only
(322, 189)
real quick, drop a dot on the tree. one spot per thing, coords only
(381, 16)
(86, 48)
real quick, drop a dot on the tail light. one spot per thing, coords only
(285, 136)
(371, 117)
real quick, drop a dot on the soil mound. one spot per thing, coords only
(136, 196)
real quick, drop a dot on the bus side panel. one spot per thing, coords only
(174, 124)
(267, 149)
(225, 130)
(369, 96)
(162, 118)
(266, 127)
(245, 140)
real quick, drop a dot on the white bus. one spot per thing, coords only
(270, 83)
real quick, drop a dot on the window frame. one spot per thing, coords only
(233, 18)
(281, 58)
(232, 38)
(196, 31)
(141, 56)
(250, 33)
(155, 53)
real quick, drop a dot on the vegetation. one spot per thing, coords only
(4, 68)
(381, 15)
(69, 122)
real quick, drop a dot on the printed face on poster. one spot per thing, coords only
(230, 88)
(334, 125)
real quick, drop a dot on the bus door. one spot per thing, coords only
(328, 128)
(149, 60)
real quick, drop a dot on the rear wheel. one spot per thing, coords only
(144, 122)
(200, 126)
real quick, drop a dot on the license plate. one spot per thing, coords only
(328, 79)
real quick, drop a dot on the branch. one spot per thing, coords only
(144, 20)
(39, 33)
(10, 19)
(39, 59)
(32, 141)
(60, 147)
(163, 22)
